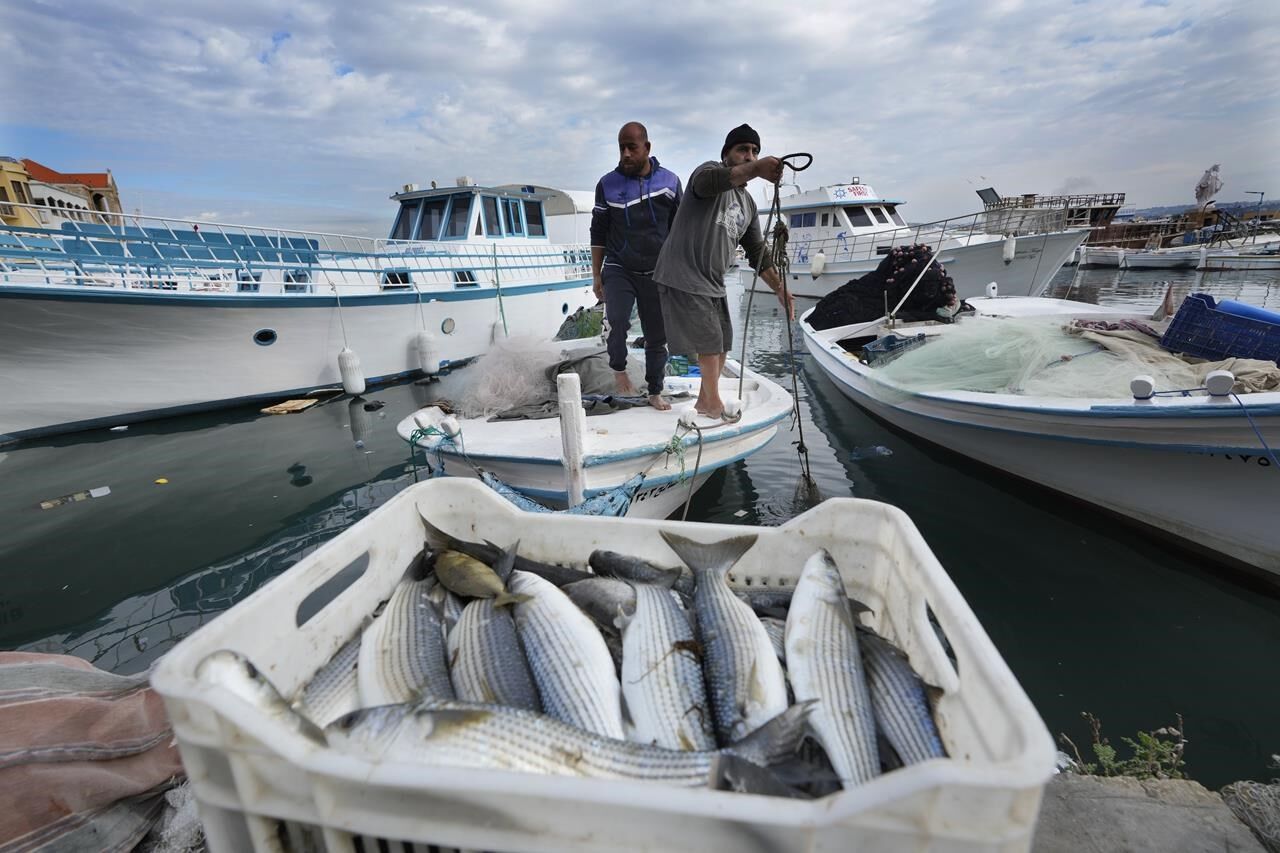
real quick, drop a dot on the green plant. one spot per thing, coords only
(1156, 755)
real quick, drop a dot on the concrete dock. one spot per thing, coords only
(1088, 814)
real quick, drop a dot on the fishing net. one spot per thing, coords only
(1258, 807)
(512, 373)
(1037, 357)
(864, 299)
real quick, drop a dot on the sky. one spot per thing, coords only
(310, 114)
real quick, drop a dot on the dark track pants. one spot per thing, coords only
(624, 289)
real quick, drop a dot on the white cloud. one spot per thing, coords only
(319, 111)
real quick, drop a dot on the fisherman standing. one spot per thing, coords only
(716, 217)
(635, 206)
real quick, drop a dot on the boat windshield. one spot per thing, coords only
(858, 216)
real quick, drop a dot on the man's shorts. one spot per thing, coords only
(696, 324)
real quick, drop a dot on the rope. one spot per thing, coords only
(341, 323)
(1270, 453)
(777, 254)
(694, 479)
(497, 285)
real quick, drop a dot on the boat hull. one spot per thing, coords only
(1037, 260)
(77, 358)
(1204, 480)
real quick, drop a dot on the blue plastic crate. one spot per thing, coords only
(1206, 329)
(886, 349)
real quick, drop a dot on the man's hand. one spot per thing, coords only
(597, 287)
(769, 168)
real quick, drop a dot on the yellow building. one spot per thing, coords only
(54, 197)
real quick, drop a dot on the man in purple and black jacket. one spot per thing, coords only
(635, 206)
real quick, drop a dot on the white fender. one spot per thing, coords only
(818, 264)
(1010, 249)
(428, 353)
(352, 375)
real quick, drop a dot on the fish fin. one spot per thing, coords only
(777, 739)
(437, 539)
(756, 691)
(716, 557)
(506, 562)
(622, 620)
(503, 599)
(856, 607)
(730, 772)
(934, 693)
(666, 577)
(440, 721)
(420, 568)
(686, 743)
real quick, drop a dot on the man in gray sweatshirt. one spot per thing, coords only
(716, 215)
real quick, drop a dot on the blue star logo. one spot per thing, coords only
(839, 193)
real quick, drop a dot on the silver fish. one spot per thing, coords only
(486, 661)
(743, 676)
(899, 700)
(614, 565)
(490, 736)
(602, 599)
(447, 604)
(825, 664)
(234, 672)
(334, 689)
(568, 657)
(662, 675)
(402, 654)
(488, 553)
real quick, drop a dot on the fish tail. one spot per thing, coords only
(506, 561)
(505, 599)
(702, 557)
(778, 739)
(437, 539)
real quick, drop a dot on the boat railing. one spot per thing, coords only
(940, 235)
(147, 252)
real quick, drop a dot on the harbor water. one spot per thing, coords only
(115, 544)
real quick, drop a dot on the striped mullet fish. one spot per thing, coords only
(899, 700)
(486, 661)
(402, 654)
(570, 663)
(743, 676)
(460, 734)
(334, 689)
(662, 674)
(825, 664)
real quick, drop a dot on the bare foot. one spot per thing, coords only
(623, 381)
(711, 411)
(658, 403)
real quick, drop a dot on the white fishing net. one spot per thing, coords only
(1033, 356)
(1258, 807)
(512, 373)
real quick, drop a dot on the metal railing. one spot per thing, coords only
(941, 235)
(147, 252)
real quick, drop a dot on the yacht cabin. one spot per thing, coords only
(468, 212)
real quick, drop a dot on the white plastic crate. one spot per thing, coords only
(260, 786)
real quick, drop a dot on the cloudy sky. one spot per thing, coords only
(310, 113)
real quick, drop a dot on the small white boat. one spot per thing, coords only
(842, 232)
(118, 318)
(1161, 259)
(560, 462)
(1197, 467)
(1241, 260)
(1101, 256)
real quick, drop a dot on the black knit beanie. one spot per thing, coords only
(741, 133)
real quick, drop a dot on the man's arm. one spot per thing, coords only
(597, 281)
(599, 239)
(715, 179)
(754, 244)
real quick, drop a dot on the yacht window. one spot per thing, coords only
(803, 220)
(297, 281)
(4, 208)
(511, 212)
(20, 192)
(248, 282)
(432, 218)
(858, 217)
(459, 216)
(824, 220)
(395, 280)
(492, 226)
(403, 229)
(464, 278)
(893, 214)
(533, 218)
(880, 217)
